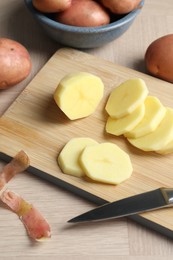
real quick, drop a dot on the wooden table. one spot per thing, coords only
(123, 238)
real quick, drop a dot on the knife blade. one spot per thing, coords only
(140, 203)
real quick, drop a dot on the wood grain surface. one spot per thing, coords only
(123, 238)
(34, 123)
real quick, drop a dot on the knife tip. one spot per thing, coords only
(70, 221)
(73, 220)
(77, 219)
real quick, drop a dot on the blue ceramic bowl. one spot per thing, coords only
(83, 37)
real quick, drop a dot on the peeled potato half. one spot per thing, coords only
(78, 94)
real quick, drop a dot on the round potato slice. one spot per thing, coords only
(123, 125)
(154, 113)
(125, 98)
(68, 159)
(159, 139)
(167, 148)
(106, 163)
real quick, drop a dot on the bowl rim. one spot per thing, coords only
(78, 29)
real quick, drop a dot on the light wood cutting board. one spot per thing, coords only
(35, 124)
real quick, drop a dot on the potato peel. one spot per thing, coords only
(35, 224)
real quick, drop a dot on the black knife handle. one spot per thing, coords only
(168, 195)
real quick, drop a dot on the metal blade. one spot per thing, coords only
(129, 206)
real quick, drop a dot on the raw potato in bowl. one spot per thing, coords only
(85, 13)
(85, 24)
(121, 6)
(51, 6)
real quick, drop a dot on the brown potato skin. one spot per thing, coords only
(120, 6)
(84, 13)
(51, 6)
(15, 63)
(159, 58)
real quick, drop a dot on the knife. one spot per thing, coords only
(147, 201)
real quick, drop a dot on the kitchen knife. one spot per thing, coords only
(151, 200)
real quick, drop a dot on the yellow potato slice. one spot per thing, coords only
(106, 163)
(68, 158)
(122, 125)
(167, 148)
(78, 94)
(154, 113)
(158, 139)
(125, 98)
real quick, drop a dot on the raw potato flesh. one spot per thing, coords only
(127, 123)
(167, 149)
(154, 113)
(158, 139)
(78, 94)
(125, 98)
(68, 159)
(106, 163)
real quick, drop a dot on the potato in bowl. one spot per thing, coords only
(84, 37)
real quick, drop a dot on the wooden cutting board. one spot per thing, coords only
(35, 124)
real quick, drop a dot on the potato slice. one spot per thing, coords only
(154, 113)
(78, 94)
(167, 149)
(106, 163)
(122, 125)
(125, 98)
(68, 157)
(158, 139)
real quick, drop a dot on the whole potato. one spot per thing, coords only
(51, 6)
(159, 58)
(120, 6)
(85, 13)
(15, 63)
